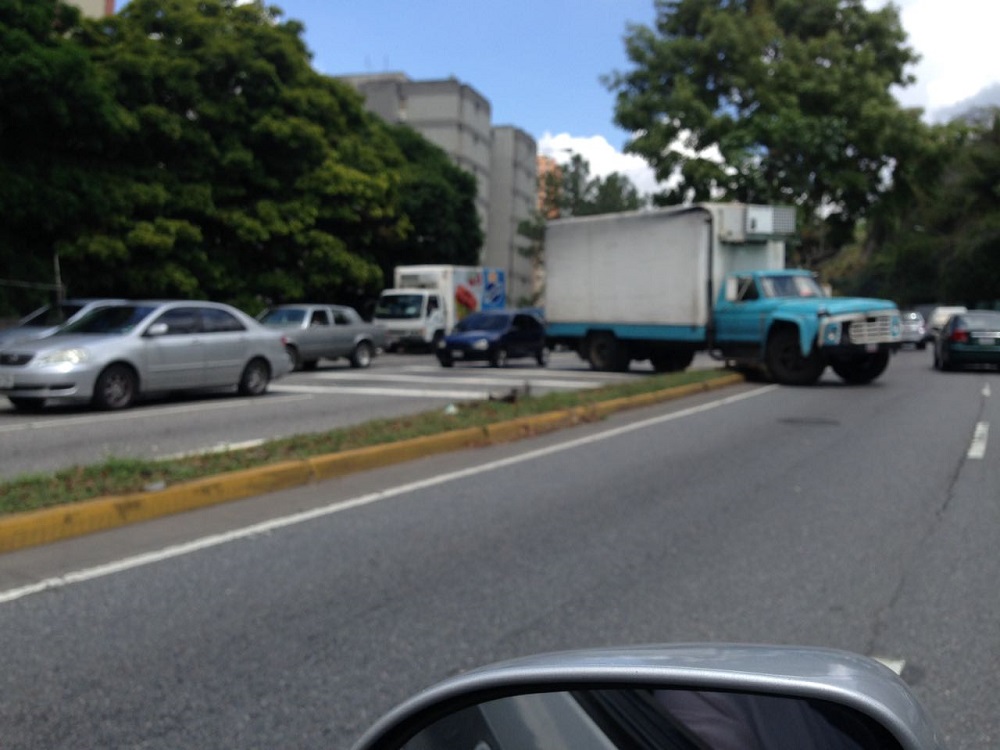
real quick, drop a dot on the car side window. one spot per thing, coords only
(319, 318)
(340, 319)
(181, 321)
(219, 321)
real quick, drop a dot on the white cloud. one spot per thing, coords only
(955, 40)
(602, 157)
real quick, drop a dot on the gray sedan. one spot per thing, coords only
(325, 331)
(120, 352)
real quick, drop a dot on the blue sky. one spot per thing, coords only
(537, 61)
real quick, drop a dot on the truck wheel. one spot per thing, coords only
(607, 354)
(671, 361)
(861, 369)
(786, 362)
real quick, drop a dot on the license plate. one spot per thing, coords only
(457, 354)
(871, 348)
(986, 342)
(6, 380)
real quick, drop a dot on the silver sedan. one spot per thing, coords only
(123, 351)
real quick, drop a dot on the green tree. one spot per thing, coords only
(249, 176)
(579, 194)
(60, 131)
(438, 199)
(783, 101)
(943, 245)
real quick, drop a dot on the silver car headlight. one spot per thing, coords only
(62, 357)
(831, 333)
(481, 345)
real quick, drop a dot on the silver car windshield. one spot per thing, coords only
(283, 317)
(114, 320)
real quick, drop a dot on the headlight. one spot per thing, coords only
(481, 345)
(831, 333)
(62, 357)
(896, 325)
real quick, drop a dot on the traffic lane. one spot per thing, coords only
(648, 536)
(332, 396)
(30, 566)
(957, 580)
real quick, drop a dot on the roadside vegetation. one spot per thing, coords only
(118, 476)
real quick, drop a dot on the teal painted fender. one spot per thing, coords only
(808, 326)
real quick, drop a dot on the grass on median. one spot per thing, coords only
(117, 476)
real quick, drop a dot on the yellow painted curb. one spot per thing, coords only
(21, 530)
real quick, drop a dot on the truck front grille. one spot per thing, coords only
(875, 329)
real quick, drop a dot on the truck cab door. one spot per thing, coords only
(435, 314)
(742, 311)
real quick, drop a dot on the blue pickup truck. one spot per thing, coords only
(664, 284)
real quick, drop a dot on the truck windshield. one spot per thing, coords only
(791, 286)
(399, 306)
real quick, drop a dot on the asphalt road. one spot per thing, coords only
(858, 518)
(334, 395)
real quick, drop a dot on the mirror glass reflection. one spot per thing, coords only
(652, 719)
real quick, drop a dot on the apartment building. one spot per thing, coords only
(95, 8)
(512, 200)
(458, 119)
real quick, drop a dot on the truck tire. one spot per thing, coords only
(785, 360)
(862, 369)
(671, 361)
(607, 354)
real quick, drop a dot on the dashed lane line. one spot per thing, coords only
(980, 437)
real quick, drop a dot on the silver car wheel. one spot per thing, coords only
(256, 376)
(115, 388)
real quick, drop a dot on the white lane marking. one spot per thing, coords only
(215, 540)
(986, 390)
(333, 390)
(449, 379)
(896, 665)
(980, 436)
(143, 412)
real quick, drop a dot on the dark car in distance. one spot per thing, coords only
(495, 336)
(968, 338)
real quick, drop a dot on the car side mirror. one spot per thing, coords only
(157, 329)
(687, 697)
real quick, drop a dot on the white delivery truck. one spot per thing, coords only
(426, 301)
(666, 283)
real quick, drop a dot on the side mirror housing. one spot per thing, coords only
(685, 696)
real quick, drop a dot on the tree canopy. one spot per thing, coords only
(772, 101)
(187, 148)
